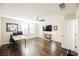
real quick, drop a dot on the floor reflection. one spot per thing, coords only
(34, 47)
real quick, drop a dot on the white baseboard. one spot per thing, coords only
(4, 43)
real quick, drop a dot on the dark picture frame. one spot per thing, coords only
(11, 27)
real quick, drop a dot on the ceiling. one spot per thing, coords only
(32, 10)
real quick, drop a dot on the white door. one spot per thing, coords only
(70, 34)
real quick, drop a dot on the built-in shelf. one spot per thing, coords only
(47, 32)
(47, 35)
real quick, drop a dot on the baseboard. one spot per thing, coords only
(0, 45)
(4, 43)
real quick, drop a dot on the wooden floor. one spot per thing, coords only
(34, 47)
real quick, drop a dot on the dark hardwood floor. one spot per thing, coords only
(33, 47)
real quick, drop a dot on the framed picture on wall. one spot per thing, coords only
(55, 28)
(11, 27)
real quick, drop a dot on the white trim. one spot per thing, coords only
(4, 43)
(0, 31)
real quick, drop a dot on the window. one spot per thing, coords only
(25, 29)
(31, 28)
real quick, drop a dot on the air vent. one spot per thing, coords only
(62, 5)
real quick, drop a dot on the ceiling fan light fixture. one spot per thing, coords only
(40, 19)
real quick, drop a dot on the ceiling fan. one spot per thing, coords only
(40, 19)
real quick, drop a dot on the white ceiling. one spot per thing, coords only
(32, 10)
